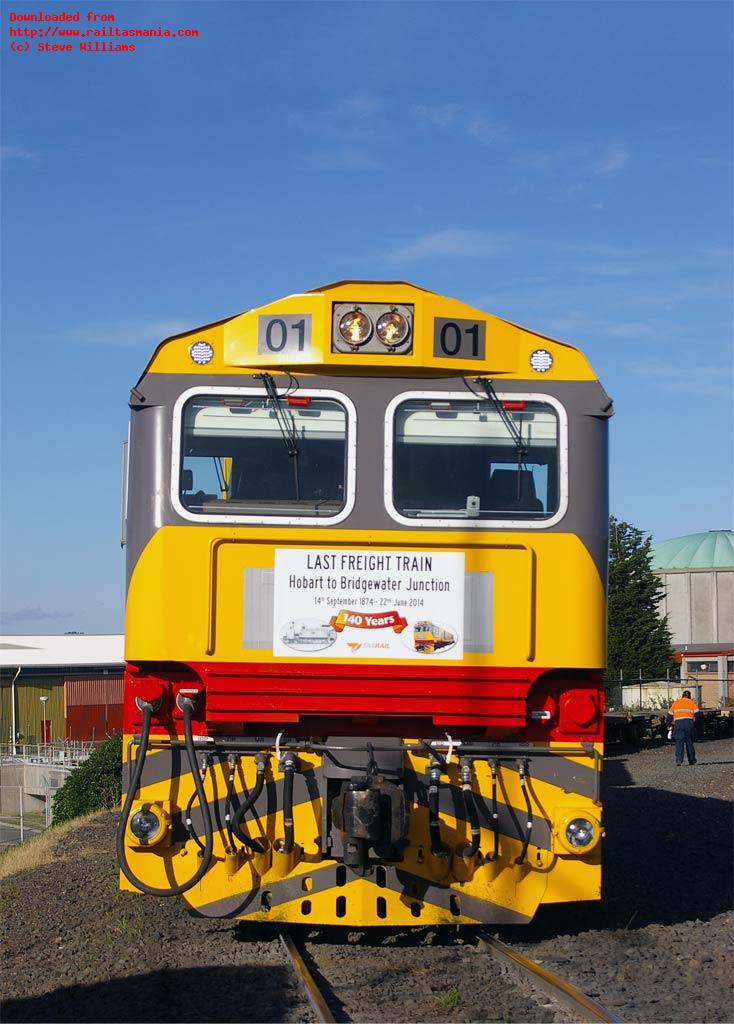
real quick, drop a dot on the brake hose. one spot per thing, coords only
(289, 768)
(187, 706)
(205, 763)
(471, 808)
(522, 769)
(434, 824)
(495, 813)
(235, 823)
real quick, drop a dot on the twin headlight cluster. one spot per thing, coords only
(372, 327)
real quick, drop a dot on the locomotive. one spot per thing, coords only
(366, 532)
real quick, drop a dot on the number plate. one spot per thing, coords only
(459, 339)
(286, 335)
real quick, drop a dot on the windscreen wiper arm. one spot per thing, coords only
(288, 431)
(486, 384)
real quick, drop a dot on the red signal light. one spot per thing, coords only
(514, 406)
(298, 400)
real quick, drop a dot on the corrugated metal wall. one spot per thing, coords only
(93, 706)
(97, 690)
(78, 707)
(30, 711)
(93, 722)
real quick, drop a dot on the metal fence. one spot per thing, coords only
(659, 694)
(23, 815)
(64, 755)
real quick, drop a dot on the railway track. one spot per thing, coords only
(566, 996)
(313, 991)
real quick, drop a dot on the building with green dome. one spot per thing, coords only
(698, 576)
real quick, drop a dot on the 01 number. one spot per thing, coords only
(279, 334)
(276, 334)
(458, 339)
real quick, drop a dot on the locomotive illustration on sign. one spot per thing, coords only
(308, 634)
(366, 533)
(429, 638)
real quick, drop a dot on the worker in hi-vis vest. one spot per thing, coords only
(682, 713)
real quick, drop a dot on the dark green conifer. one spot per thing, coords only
(639, 638)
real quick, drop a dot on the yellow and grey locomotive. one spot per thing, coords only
(365, 630)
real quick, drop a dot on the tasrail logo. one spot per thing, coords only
(373, 646)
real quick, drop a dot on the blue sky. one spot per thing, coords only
(566, 166)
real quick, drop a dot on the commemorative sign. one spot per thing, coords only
(343, 603)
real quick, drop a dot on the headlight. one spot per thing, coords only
(355, 327)
(145, 825)
(392, 328)
(580, 833)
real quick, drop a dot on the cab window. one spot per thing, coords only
(464, 459)
(243, 455)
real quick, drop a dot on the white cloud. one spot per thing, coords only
(361, 105)
(481, 129)
(614, 157)
(125, 333)
(698, 380)
(441, 116)
(18, 153)
(449, 242)
(34, 615)
(475, 125)
(580, 160)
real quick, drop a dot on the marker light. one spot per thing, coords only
(355, 327)
(580, 833)
(392, 329)
(514, 406)
(145, 825)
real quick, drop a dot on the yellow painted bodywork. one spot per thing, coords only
(547, 876)
(234, 342)
(185, 599)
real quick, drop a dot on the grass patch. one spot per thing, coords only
(42, 850)
(449, 999)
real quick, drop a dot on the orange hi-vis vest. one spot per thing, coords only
(683, 709)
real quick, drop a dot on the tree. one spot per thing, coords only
(93, 786)
(639, 638)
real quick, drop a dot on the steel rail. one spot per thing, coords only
(315, 996)
(570, 997)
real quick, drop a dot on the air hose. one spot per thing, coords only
(187, 706)
(522, 771)
(434, 824)
(495, 812)
(289, 769)
(249, 801)
(471, 808)
(205, 764)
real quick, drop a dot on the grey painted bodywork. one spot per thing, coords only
(149, 505)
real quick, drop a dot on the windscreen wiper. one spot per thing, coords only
(288, 430)
(516, 434)
(486, 384)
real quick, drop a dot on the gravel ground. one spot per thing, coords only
(657, 949)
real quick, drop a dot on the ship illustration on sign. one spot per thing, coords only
(308, 635)
(429, 637)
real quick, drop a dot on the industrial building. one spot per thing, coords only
(56, 689)
(697, 572)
